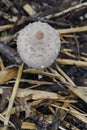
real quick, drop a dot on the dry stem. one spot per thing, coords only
(11, 101)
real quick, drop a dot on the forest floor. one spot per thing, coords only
(50, 99)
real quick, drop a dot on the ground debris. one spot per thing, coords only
(54, 98)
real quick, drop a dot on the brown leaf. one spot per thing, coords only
(8, 74)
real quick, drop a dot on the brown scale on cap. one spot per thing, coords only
(39, 35)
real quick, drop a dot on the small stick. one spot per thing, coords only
(65, 75)
(30, 11)
(35, 82)
(9, 4)
(9, 53)
(55, 72)
(66, 52)
(71, 62)
(72, 30)
(67, 10)
(5, 27)
(11, 101)
(2, 67)
(50, 75)
(78, 91)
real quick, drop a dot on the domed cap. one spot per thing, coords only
(38, 45)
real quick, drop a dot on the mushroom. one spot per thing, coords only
(38, 45)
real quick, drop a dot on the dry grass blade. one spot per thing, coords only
(34, 82)
(9, 4)
(5, 27)
(55, 72)
(71, 62)
(2, 118)
(81, 5)
(65, 76)
(37, 94)
(79, 91)
(9, 26)
(28, 126)
(1, 64)
(32, 126)
(63, 113)
(78, 115)
(72, 30)
(66, 52)
(50, 75)
(74, 112)
(11, 101)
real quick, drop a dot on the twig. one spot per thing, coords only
(9, 53)
(35, 82)
(72, 30)
(11, 101)
(65, 76)
(29, 9)
(5, 27)
(77, 44)
(1, 64)
(80, 92)
(55, 72)
(50, 75)
(74, 112)
(67, 52)
(9, 4)
(2, 118)
(67, 10)
(72, 62)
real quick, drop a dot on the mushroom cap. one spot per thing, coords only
(38, 45)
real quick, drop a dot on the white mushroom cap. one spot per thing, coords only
(38, 45)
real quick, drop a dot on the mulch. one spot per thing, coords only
(50, 99)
